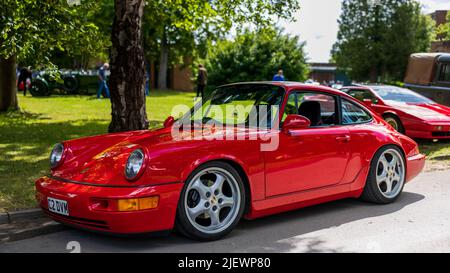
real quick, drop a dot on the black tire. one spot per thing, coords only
(39, 88)
(393, 119)
(372, 192)
(71, 84)
(183, 224)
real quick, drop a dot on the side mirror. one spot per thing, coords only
(368, 102)
(169, 122)
(293, 122)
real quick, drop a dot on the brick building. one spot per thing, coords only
(440, 16)
(179, 77)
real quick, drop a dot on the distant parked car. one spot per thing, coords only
(312, 82)
(71, 82)
(406, 111)
(429, 75)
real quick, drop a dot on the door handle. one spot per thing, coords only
(345, 138)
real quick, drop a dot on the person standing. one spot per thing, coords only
(24, 80)
(279, 77)
(202, 80)
(102, 80)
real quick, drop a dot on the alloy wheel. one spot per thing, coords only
(212, 200)
(393, 123)
(390, 173)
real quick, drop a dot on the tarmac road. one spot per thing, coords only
(418, 222)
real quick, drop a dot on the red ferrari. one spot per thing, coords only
(408, 112)
(284, 146)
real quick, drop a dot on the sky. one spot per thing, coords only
(317, 24)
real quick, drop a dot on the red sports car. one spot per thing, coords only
(248, 150)
(405, 110)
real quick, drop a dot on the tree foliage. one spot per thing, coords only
(186, 28)
(256, 56)
(443, 31)
(32, 30)
(375, 38)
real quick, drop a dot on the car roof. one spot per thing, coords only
(368, 86)
(371, 85)
(289, 85)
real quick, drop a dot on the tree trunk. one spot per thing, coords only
(127, 81)
(163, 64)
(374, 74)
(8, 93)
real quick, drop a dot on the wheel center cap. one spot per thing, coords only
(213, 200)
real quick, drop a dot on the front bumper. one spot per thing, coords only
(82, 214)
(414, 166)
(429, 131)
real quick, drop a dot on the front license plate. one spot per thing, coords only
(58, 206)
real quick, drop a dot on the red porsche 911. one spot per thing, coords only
(247, 150)
(407, 111)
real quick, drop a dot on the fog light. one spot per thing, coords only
(100, 204)
(137, 203)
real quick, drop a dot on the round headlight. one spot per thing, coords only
(134, 164)
(56, 155)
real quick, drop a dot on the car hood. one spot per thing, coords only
(101, 159)
(427, 112)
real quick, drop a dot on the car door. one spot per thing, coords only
(361, 127)
(308, 158)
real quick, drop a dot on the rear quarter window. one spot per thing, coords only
(353, 114)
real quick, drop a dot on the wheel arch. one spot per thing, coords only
(399, 146)
(390, 113)
(368, 193)
(361, 180)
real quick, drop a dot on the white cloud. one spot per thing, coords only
(317, 24)
(429, 6)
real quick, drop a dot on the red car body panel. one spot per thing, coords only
(420, 120)
(312, 166)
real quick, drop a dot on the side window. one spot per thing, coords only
(352, 114)
(444, 75)
(361, 95)
(319, 108)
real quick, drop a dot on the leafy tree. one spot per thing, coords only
(256, 56)
(375, 38)
(31, 30)
(100, 14)
(186, 27)
(174, 24)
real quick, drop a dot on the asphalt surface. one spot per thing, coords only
(418, 222)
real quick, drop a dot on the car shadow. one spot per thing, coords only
(270, 234)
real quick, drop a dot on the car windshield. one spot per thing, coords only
(235, 105)
(397, 94)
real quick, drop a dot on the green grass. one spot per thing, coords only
(438, 154)
(27, 137)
